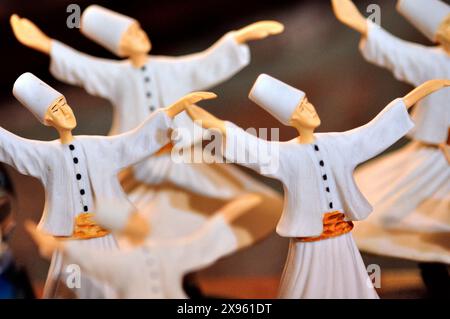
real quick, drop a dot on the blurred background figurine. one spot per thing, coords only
(75, 169)
(321, 197)
(14, 281)
(410, 188)
(150, 268)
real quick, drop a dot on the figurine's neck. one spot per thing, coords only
(65, 136)
(306, 135)
(139, 60)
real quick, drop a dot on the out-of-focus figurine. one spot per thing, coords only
(410, 188)
(14, 280)
(140, 85)
(151, 268)
(321, 197)
(76, 169)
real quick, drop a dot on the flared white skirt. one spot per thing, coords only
(410, 192)
(327, 269)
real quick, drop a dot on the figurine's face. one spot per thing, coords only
(60, 115)
(134, 41)
(137, 229)
(305, 116)
(443, 35)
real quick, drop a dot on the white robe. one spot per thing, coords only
(76, 173)
(156, 269)
(410, 188)
(166, 191)
(318, 178)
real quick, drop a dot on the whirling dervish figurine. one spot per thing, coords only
(410, 188)
(76, 169)
(321, 197)
(150, 268)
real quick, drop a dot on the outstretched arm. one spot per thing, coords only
(47, 244)
(189, 99)
(347, 13)
(215, 239)
(239, 206)
(30, 35)
(26, 156)
(206, 119)
(148, 138)
(208, 68)
(241, 147)
(106, 266)
(409, 62)
(258, 31)
(423, 91)
(387, 127)
(97, 76)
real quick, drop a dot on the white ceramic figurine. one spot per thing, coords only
(151, 268)
(410, 188)
(76, 169)
(321, 196)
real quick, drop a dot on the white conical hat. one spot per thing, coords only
(105, 26)
(276, 97)
(35, 95)
(425, 15)
(113, 214)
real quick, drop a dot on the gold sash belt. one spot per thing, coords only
(86, 228)
(333, 225)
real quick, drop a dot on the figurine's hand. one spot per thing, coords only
(206, 119)
(47, 244)
(258, 30)
(30, 35)
(445, 148)
(424, 90)
(192, 98)
(346, 12)
(239, 206)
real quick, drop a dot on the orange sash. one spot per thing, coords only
(86, 228)
(333, 225)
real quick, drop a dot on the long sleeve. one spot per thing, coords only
(110, 267)
(26, 156)
(131, 147)
(250, 151)
(365, 142)
(200, 71)
(409, 62)
(213, 241)
(97, 76)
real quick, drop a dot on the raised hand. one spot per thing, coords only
(192, 98)
(346, 12)
(424, 90)
(47, 244)
(258, 30)
(239, 206)
(206, 119)
(30, 35)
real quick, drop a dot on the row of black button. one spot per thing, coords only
(324, 176)
(148, 93)
(78, 176)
